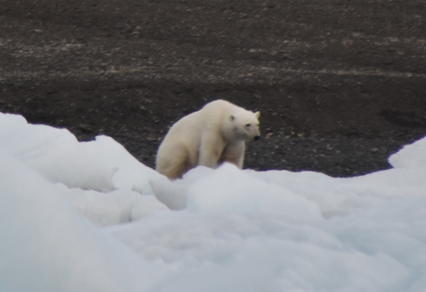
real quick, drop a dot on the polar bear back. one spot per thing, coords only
(188, 130)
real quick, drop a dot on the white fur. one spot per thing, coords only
(216, 133)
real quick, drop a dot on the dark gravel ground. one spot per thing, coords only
(341, 84)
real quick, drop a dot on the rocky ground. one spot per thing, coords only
(341, 84)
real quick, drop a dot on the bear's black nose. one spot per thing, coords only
(256, 138)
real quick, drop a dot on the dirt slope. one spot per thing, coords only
(340, 84)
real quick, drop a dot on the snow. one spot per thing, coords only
(87, 216)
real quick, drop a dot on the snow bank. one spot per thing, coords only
(231, 230)
(56, 154)
(45, 246)
(288, 231)
(410, 156)
(100, 177)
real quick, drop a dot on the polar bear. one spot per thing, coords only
(216, 133)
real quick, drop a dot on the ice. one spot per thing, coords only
(118, 206)
(100, 177)
(57, 155)
(47, 247)
(410, 156)
(87, 216)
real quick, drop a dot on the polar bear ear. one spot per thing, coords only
(257, 114)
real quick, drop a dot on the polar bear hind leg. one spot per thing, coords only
(174, 166)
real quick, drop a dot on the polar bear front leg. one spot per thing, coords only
(234, 153)
(210, 151)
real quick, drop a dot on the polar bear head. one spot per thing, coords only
(245, 125)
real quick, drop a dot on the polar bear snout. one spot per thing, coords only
(253, 133)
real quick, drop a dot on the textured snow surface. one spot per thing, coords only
(87, 216)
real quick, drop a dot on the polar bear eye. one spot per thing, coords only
(248, 125)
